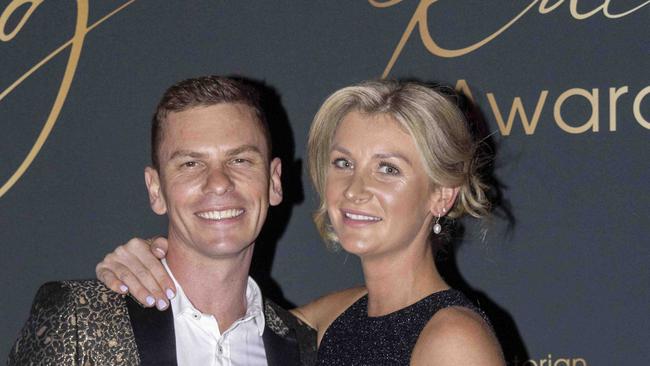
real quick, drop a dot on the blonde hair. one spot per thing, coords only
(437, 126)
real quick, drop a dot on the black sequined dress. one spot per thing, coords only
(356, 339)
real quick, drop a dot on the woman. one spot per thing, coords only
(389, 160)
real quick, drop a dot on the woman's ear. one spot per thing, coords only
(443, 199)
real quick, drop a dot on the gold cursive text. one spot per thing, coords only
(75, 43)
(419, 19)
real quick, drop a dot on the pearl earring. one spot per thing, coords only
(437, 228)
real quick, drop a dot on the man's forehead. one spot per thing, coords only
(216, 109)
(219, 120)
(229, 130)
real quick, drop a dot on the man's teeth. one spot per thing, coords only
(361, 217)
(221, 215)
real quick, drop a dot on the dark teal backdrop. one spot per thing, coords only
(562, 85)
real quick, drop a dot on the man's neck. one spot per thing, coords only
(214, 286)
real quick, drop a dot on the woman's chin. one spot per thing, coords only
(357, 247)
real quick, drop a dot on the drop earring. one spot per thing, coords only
(437, 228)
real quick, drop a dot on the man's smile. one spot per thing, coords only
(220, 214)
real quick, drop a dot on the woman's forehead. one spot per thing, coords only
(378, 135)
(371, 127)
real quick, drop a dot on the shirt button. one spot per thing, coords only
(220, 349)
(196, 316)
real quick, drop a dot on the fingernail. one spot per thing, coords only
(161, 304)
(160, 251)
(150, 300)
(170, 294)
(124, 289)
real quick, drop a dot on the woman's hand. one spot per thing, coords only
(135, 268)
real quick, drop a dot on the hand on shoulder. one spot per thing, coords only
(457, 336)
(135, 268)
(320, 313)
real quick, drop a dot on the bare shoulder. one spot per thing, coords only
(320, 313)
(457, 336)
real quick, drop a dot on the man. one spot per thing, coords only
(213, 176)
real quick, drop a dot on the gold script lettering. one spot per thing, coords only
(592, 122)
(614, 94)
(76, 44)
(463, 88)
(9, 11)
(637, 107)
(420, 20)
(517, 108)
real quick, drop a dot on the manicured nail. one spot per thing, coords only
(161, 304)
(150, 300)
(160, 251)
(170, 294)
(124, 289)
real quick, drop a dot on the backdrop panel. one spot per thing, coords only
(563, 85)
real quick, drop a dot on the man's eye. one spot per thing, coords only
(341, 163)
(190, 164)
(388, 169)
(240, 161)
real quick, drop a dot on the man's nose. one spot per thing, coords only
(218, 181)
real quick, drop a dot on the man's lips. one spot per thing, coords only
(218, 215)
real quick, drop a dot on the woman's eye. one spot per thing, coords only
(388, 169)
(341, 163)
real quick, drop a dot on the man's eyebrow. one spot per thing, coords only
(195, 154)
(185, 154)
(244, 149)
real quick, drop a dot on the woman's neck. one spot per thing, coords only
(397, 280)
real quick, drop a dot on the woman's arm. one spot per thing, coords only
(135, 267)
(457, 336)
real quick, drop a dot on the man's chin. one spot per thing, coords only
(223, 249)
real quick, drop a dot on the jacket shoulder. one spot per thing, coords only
(75, 322)
(282, 322)
(48, 333)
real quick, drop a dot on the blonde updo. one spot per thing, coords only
(436, 124)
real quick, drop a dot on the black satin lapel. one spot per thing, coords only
(154, 334)
(281, 351)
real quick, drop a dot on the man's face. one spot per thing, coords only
(215, 181)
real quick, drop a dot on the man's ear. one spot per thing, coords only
(275, 182)
(156, 198)
(443, 199)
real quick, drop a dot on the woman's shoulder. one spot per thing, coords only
(320, 313)
(457, 336)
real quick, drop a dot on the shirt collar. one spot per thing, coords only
(255, 305)
(181, 304)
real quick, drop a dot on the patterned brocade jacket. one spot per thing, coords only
(84, 323)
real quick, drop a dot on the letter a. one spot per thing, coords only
(592, 122)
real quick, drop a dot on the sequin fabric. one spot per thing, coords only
(356, 339)
(84, 323)
(76, 323)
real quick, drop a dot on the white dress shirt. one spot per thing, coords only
(199, 340)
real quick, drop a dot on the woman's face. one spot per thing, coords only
(379, 198)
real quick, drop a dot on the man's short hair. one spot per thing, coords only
(205, 91)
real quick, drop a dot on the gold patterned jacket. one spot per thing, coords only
(84, 323)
